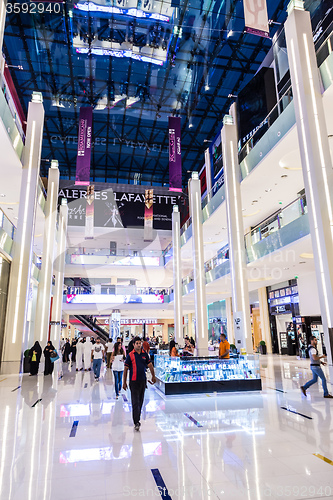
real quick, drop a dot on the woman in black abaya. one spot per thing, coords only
(34, 358)
(48, 363)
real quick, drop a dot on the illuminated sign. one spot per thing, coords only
(119, 53)
(131, 321)
(107, 260)
(114, 299)
(140, 14)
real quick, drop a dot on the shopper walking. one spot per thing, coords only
(87, 346)
(79, 355)
(66, 352)
(48, 368)
(73, 351)
(117, 360)
(109, 352)
(35, 354)
(137, 362)
(145, 345)
(97, 356)
(316, 368)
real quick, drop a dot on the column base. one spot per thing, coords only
(203, 351)
(10, 367)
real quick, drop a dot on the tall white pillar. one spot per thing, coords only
(315, 157)
(201, 317)
(45, 281)
(177, 275)
(237, 255)
(18, 291)
(3, 4)
(264, 318)
(230, 320)
(59, 272)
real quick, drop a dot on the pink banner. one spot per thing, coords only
(175, 156)
(84, 147)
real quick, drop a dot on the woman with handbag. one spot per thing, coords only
(49, 352)
(34, 358)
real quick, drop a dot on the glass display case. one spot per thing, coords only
(177, 375)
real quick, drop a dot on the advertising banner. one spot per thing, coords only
(256, 18)
(84, 147)
(114, 326)
(119, 206)
(175, 157)
(89, 226)
(148, 224)
(114, 299)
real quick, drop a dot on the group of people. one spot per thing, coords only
(35, 355)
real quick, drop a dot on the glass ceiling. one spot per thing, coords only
(136, 62)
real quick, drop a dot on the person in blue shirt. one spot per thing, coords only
(137, 362)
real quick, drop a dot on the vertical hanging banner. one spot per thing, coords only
(256, 17)
(175, 156)
(89, 223)
(114, 325)
(84, 147)
(149, 214)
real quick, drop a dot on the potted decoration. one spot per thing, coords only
(263, 347)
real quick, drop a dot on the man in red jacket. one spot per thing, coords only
(137, 362)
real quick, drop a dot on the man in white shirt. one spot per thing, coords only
(109, 350)
(316, 368)
(97, 356)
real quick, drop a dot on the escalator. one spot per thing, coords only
(95, 328)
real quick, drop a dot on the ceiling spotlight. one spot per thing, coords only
(230, 33)
(207, 87)
(268, 190)
(284, 176)
(2, 195)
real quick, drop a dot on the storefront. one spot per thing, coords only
(283, 310)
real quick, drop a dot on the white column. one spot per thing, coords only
(264, 318)
(3, 4)
(18, 292)
(59, 272)
(315, 157)
(237, 255)
(201, 317)
(46, 273)
(177, 275)
(230, 320)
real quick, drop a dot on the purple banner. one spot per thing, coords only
(175, 156)
(84, 147)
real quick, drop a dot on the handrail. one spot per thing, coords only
(268, 119)
(279, 211)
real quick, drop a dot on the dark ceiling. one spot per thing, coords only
(186, 58)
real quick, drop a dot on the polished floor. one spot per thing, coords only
(66, 437)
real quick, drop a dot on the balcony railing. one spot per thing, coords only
(281, 229)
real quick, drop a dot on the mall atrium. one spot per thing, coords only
(166, 249)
